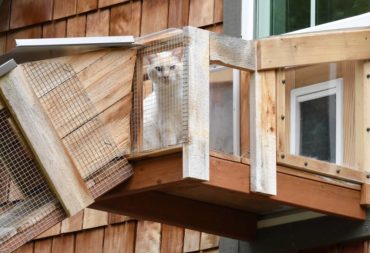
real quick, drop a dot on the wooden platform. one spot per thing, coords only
(224, 205)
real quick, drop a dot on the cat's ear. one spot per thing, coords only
(151, 57)
(178, 52)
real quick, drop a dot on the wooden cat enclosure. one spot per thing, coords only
(74, 127)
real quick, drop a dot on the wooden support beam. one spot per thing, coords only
(196, 151)
(362, 95)
(184, 212)
(297, 236)
(263, 132)
(232, 52)
(313, 48)
(55, 163)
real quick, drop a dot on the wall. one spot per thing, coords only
(95, 231)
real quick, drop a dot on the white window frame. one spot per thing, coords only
(311, 92)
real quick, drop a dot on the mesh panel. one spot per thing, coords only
(77, 122)
(160, 95)
(25, 197)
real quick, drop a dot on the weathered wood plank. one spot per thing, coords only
(76, 26)
(115, 239)
(121, 20)
(4, 15)
(27, 248)
(73, 223)
(86, 5)
(172, 239)
(53, 231)
(64, 8)
(178, 13)
(154, 16)
(196, 152)
(94, 218)
(148, 237)
(28, 12)
(201, 12)
(263, 132)
(219, 11)
(97, 23)
(191, 240)
(64, 244)
(208, 241)
(43, 246)
(40, 134)
(295, 50)
(232, 52)
(91, 240)
(105, 3)
(55, 29)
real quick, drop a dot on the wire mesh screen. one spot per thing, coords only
(160, 95)
(27, 205)
(76, 120)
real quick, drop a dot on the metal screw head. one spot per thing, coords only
(282, 156)
(283, 81)
(368, 176)
(368, 129)
(368, 76)
(338, 171)
(305, 164)
(282, 117)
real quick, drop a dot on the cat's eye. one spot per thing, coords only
(158, 68)
(172, 67)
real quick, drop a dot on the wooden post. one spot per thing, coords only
(263, 132)
(362, 94)
(55, 163)
(196, 151)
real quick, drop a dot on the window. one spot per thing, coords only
(316, 121)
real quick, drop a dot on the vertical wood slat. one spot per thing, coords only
(43, 246)
(44, 142)
(263, 132)
(4, 15)
(55, 29)
(76, 26)
(94, 218)
(105, 3)
(196, 152)
(97, 23)
(90, 240)
(178, 15)
(148, 237)
(191, 240)
(244, 114)
(73, 223)
(219, 11)
(27, 248)
(172, 239)
(29, 12)
(201, 12)
(125, 19)
(154, 16)
(280, 111)
(208, 241)
(86, 5)
(64, 244)
(64, 8)
(119, 238)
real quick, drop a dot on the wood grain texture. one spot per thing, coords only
(97, 23)
(219, 11)
(232, 52)
(148, 237)
(86, 5)
(64, 8)
(178, 14)
(73, 223)
(90, 241)
(191, 240)
(105, 3)
(263, 132)
(208, 241)
(76, 26)
(196, 153)
(201, 12)
(94, 218)
(297, 50)
(28, 12)
(27, 33)
(27, 248)
(281, 112)
(114, 218)
(172, 239)
(125, 19)
(55, 29)
(154, 16)
(43, 246)
(54, 230)
(64, 244)
(4, 15)
(44, 142)
(118, 238)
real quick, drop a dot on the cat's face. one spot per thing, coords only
(166, 67)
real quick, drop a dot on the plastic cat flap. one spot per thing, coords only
(160, 92)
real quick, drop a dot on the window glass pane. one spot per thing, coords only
(331, 10)
(221, 110)
(318, 128)
(289, 15)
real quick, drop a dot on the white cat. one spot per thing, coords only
(162, 108)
